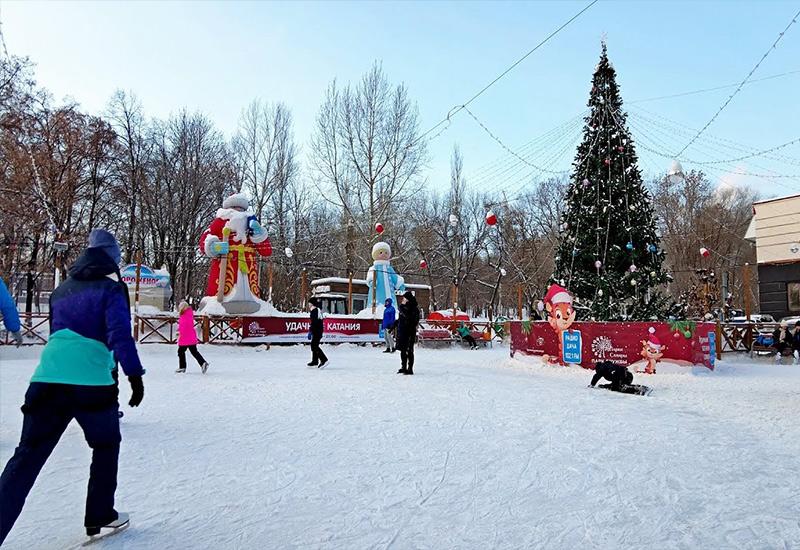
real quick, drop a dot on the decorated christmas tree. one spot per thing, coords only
(609, 254)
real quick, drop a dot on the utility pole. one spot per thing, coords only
(136, 296)
(349, 253)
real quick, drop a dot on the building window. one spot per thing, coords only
(793, 290)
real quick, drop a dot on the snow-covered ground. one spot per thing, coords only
(475, 451)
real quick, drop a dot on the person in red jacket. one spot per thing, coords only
(236, 234)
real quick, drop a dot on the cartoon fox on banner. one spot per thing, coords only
(561, 315)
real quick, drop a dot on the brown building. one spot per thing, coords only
(775, 229)
(333, 292)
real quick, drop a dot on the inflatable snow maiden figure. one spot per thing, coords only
(388, 282)
(232, 241)
(652, 351)
(561, 315)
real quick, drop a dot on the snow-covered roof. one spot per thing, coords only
(345, 280)
(795, 196)
(329, 280)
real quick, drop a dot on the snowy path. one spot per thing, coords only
(476, 451)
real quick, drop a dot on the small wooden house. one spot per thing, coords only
(333, 294)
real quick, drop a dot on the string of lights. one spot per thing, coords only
(739, 87)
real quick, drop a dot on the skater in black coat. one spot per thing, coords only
(318, 357)
(782, 340)
(407, 332)
(618, 375)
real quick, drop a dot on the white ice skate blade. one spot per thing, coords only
(109, 530)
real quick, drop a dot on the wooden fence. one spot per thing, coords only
(733, 337)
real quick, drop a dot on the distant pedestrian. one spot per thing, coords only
(90, 329)
(796, 343)
(318, 357)
(388, 325)
(187, 339)
(463, 331)
(407, 332)
(8, 309)
(782, 341)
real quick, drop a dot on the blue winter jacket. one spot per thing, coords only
(389, 315)
(90, 326)
(9, 309)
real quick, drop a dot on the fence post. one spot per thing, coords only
(719, 339)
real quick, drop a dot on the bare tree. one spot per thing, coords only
(366, 148)
(126, 117)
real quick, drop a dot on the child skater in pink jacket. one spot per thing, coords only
(187, 339)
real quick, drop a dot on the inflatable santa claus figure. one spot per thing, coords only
(233, 240)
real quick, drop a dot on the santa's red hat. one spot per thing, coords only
(653, 340)
(557, 295)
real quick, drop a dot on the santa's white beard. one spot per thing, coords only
(236, 221)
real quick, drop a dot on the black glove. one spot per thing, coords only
(137, 390)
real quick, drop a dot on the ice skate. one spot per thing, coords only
(97, 533)
(204, 367)
(323, 364)
(180, 370)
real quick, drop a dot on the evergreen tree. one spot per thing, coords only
(609, 255)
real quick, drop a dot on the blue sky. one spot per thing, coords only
(217, 57)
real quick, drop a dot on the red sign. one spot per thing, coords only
(295, 329)
(681, 342)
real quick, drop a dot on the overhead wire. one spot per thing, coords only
(456, 109)
(739, 87)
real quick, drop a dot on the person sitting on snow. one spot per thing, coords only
(463, 331)
(796, 342)
(618, 375)
(782, 341)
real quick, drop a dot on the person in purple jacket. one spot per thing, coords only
(90, 331)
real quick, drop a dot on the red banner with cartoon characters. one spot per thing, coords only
(640, 345)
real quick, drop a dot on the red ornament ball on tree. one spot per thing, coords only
(704, 252)
(379, 228)
(491, 218)
(423, 264)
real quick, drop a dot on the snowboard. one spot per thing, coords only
(634, 389)
(106, 532)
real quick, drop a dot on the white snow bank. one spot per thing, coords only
(475, 451)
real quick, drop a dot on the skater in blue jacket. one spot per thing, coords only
(388, 324)
(10, 316)
(90, 331)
